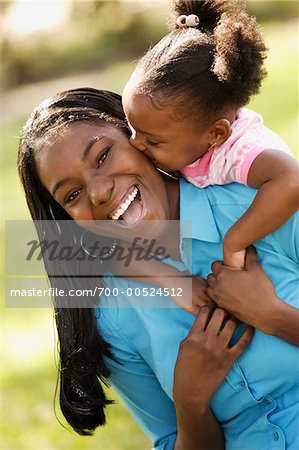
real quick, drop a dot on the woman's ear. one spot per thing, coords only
(220, 132)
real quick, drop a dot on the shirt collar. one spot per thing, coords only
(196, 215)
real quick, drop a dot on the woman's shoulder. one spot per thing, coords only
(233, 198)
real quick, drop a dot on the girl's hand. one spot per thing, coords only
(205, 358)
(236, 260)
(233, 256)
(247, 294)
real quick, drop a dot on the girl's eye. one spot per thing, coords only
(102, 156)
(151, 143)
(72, 196)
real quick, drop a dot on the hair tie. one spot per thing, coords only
(190, 21)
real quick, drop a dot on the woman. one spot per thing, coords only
(76, 163)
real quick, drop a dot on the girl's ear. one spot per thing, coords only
(220, 132)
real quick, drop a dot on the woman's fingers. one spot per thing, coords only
(217, 324)
(216, 321)
(211, 294)
(216, 267)
(202, 319)
(228, 331)
(242, 343)
(211, 280)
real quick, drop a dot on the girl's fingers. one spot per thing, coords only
(242, 343)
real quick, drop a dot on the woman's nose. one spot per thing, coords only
(137, 143)
(99, 190)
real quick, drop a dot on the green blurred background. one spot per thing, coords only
(50, 46)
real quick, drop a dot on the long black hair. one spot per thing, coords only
(81, 348)
(207, 70)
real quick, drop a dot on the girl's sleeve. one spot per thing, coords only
(233, 165)
(223, 165)
(141, 392)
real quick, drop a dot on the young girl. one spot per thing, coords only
(184, 106)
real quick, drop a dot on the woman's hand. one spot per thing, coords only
(203, 361)
(249, 295)
(205, 358)
(193, 292)
(199, 294)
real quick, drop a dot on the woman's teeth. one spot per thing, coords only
(125, 204)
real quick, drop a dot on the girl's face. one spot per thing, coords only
(94, 173)
(170, 142)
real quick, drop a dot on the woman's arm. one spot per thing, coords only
(192, 290)
(203, 361)
(249, 295)
(276, 176)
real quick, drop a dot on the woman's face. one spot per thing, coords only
(94, 173)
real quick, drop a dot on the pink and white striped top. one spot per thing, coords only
(232, 160)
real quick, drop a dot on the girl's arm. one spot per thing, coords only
(249, 295)
(203, 361)
(276, 176)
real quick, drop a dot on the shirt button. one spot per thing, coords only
(275, 436)
(242, 384)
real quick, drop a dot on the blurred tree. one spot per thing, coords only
(5, 5)
(91, 7)
(97, 33)
(273, 9)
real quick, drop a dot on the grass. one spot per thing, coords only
(28, 367)
(278, 100)
(28, 382)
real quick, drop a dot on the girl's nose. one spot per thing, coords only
(137, 143)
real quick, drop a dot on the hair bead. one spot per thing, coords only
(192, 21)
(181, 21)
(184, 21)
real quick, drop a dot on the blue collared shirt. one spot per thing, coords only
(257, 403)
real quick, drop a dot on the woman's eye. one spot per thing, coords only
(102, 156)
(72, 196)
(151, 143)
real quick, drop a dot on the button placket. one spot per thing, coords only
(236, 379)
(276, 436)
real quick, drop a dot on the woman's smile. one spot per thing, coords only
(131, 209)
